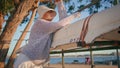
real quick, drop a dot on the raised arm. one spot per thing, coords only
(54, 26)
(61, 9)
(68, 19)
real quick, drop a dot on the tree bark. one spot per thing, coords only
(16, 1)
(1, 20)
(13, 55)
(11, 27)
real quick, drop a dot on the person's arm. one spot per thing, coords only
(68, 19)
(61, 9)
(55, 26)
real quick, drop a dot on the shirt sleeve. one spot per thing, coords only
(65, 21)
(52, 27)
(61, 10)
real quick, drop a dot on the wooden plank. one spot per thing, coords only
(78, 45)
(86, 49)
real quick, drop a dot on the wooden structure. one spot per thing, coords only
(100, 30)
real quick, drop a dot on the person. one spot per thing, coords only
(87, 60)
(36, 53)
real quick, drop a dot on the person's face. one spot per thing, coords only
(49, 15)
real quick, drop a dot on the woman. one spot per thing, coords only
(36, 53)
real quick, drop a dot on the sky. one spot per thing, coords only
(84, 14)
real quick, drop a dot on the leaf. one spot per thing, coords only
(51, 5)
(115, 2)
(81, 6)
(6, 6)
(79, 0)
(66, 1)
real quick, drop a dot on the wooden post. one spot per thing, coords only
(118, 2)
(91, 57)
(117, 53)
(63, 58)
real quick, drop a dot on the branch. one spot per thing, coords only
(87, 6)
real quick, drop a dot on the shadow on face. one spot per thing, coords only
(49, 15)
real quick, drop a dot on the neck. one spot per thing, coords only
(47, 19)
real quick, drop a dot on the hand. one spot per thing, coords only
(56, 1)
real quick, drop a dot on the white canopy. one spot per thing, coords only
(104, 25)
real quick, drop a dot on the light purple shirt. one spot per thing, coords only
(38, 46)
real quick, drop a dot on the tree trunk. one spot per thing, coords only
(16, 1)
(1, 21)
(11, 27)
(13, 55)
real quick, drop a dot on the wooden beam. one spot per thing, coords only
(91, 57)
(101, 43)
(117, 54)
(63, 59)
(79, 44)
(86, 49)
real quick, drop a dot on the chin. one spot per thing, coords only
(49, 19)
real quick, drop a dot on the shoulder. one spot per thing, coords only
(44, 21)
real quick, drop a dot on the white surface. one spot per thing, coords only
(99, 24)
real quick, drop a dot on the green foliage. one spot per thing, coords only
(79, 0)
(101, 4)
(51, 5)
(6, 6)
(115, 2)
(71, 5)
(48, 4)
(66, 1)
(71, 8)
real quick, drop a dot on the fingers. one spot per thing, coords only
(56, 1)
